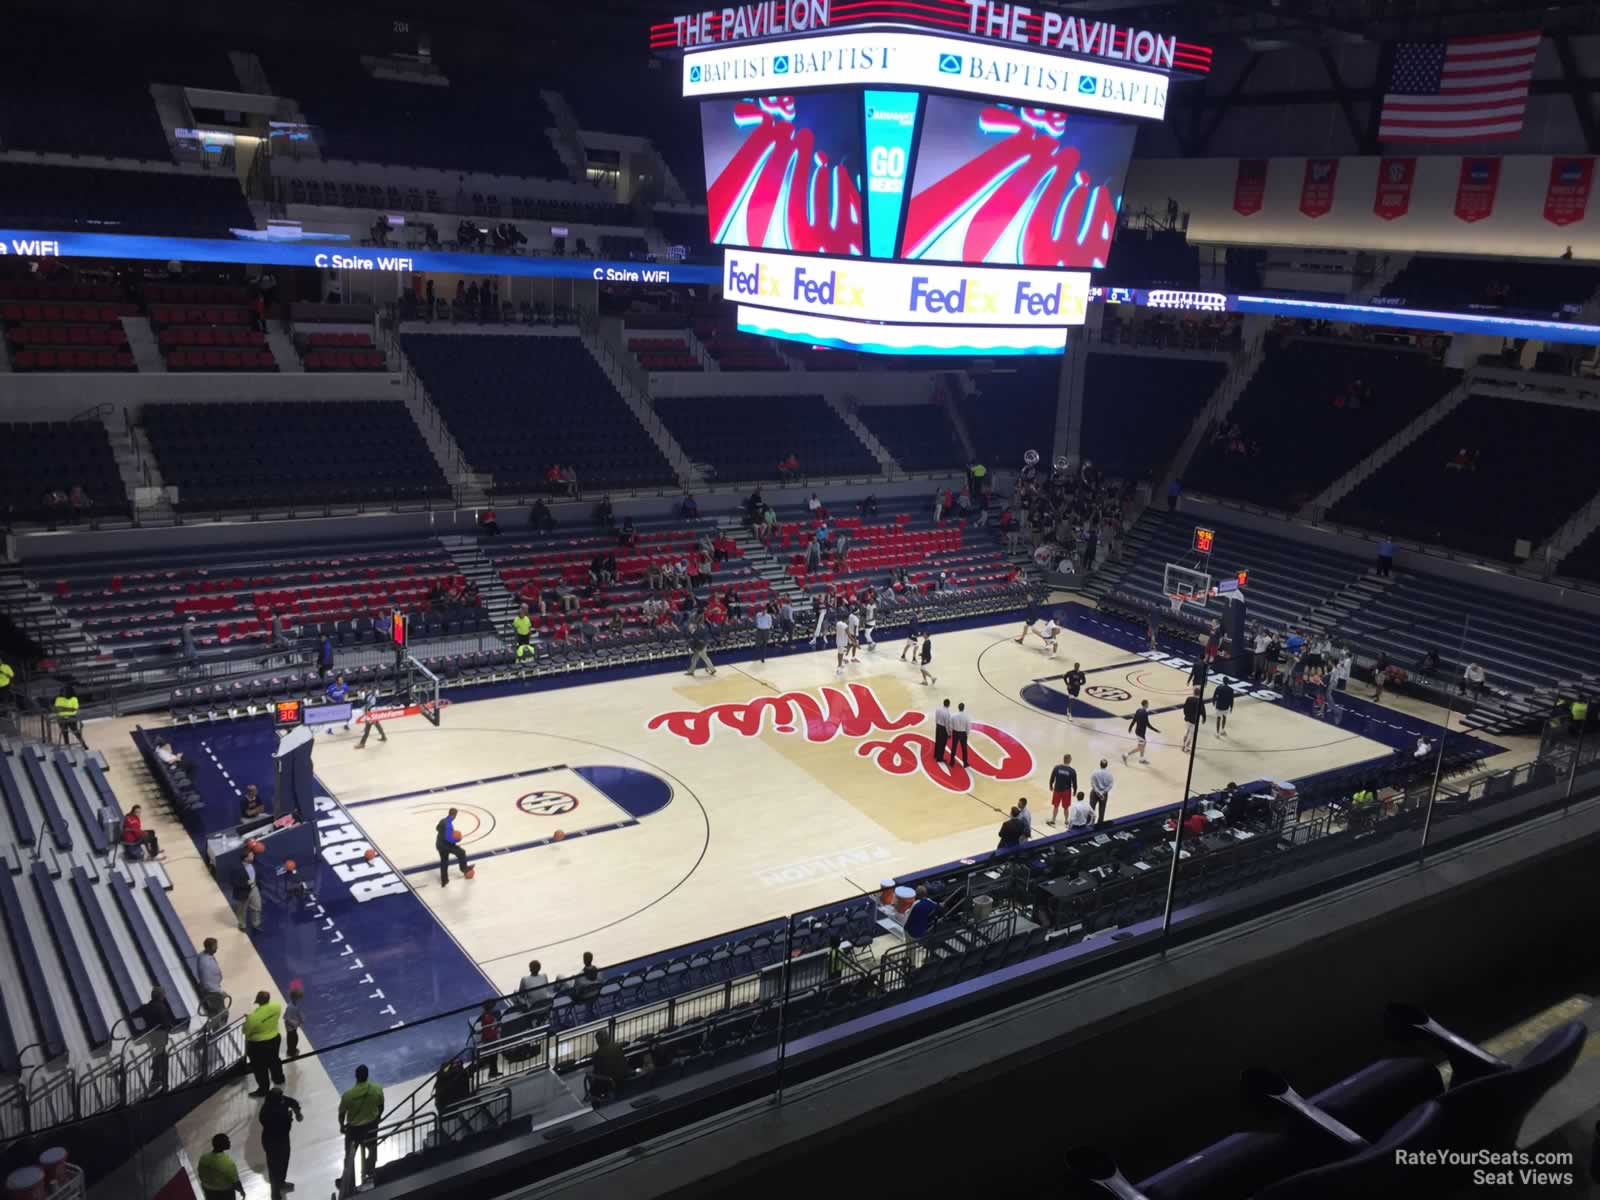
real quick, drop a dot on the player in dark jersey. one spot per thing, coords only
(1140, 725)
(1194, 715)
(1222, 705)
(1074, 681)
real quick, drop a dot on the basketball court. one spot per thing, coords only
(690, 807)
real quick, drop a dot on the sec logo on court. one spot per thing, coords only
(547, 804)
(1100, 691)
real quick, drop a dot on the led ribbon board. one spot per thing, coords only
(897, 59)
(910, 293)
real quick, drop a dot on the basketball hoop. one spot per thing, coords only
(1177, 604)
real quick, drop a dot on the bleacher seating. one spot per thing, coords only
(479, 119)
(135, 608)
(1312, 411)
(287, 455)
(519, 405)
(1526, 467)
(1542, 285)
(65, 326)
(341, 352)
(1583, 560)
(745, 437)
(89, 929)
(735, 351)
(1136, 410)
(1012, 411)
(103, 200)
(919, 437)
(905, 541)
(49, 456)
(664, 354)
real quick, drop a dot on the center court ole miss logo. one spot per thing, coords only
(855, 712)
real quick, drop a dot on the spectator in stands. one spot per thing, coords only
(278, 1115)
(155, 1019)
(1473, 680)
(67, 721)
(689, 508)
(360, 1110)
(1428, 664)
(1174, 493)
(488, 523)
(261, 1042)
(533, 993)
(56, 504)
(610, 1067)
(247, 895)
(603, 512)
(920, 917)
(587, 985)
(486, 1029)
(1385, 556)
(569, 480)
(325, 657)
(208, 974)
(540, 517)
(250, 806)
(788, 467)
(191, 653)
(217, 1172)
(135, 837)
(627, 535)
(80, 502)
(818, 510)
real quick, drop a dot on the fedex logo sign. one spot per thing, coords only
(909, 293)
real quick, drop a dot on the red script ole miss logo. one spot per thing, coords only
(854, 712)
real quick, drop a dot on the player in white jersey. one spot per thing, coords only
(841, 638)
(1052, 630)
(869, 622)
(853, 628)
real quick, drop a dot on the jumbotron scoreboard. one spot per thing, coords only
(928, 177)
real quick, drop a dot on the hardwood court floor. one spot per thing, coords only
(792, 785)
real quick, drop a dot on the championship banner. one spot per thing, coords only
(1567, 197)
(1249, 186)
(1393, 195)
(1475, 190)
(1316, 191)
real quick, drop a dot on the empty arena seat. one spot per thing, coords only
(102, 199)
(1136, 410)
(745, 437)
(44, 457)
(919, 437)
(488, 390)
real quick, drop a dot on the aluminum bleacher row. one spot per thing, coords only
(745, 437)
(923, 549)
(530, 568)
(136, 609)
(508, 403)
(88, 929)
(280, 453)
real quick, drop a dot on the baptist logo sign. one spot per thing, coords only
(949, 64)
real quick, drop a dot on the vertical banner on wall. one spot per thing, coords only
(1316, 192)
(1476, 187)
(1249, 186)
(1393, 195)
(1567, 197)
(891, 125)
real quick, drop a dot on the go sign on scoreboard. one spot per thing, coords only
(891, 129)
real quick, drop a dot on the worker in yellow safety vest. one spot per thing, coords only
(66, 706)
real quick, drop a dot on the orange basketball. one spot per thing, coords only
(256, 847)
(370, 854)
(560, 837)
(469, 872)
(455, 835)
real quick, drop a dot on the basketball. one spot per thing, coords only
(370, 854)
(455, 835)
(256, 847)
(470, 872)
(559, 836)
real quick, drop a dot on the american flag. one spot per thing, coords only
(1459, 90)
